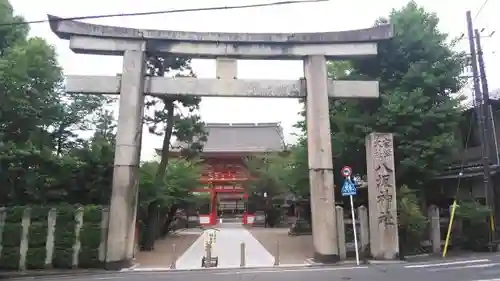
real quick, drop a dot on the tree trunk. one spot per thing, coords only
(151, 227)
(170, 218)
(162, 168)
(59, 141)
(152, 220)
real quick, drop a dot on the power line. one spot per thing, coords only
(280, 3)
(480, 10)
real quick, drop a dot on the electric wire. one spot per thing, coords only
(480, 10)
(218, 8)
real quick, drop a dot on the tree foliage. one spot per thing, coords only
(270, 174)
(176, 188)
(417, 72)
(43, 158)
(279, 173)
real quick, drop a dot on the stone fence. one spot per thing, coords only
(346, 242)
(44, 237)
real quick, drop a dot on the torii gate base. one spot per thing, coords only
(133, 44)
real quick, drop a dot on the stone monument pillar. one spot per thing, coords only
(126, 167)
(324, 227)
(384, 240)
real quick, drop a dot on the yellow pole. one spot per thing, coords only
(492, 222)
(450, 224)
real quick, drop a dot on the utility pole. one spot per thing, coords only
(494, 199)
(480, 115)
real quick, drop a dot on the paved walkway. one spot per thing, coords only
(227, 248)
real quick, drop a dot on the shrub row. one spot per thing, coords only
(64, 237)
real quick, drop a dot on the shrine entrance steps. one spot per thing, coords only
(230, 220)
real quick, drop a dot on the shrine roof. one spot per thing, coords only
(243, 137)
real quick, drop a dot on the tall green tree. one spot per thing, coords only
(38, 121)
(92, 180)
(270, 174)
(174, 190)
(418, 72)
(77, 113)
(172, 118)
(29, 74)
(183, 178)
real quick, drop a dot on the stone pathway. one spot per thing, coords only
(227, 248)
(293, 249)
(163, 255)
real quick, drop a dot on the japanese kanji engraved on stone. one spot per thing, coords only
(384, 241)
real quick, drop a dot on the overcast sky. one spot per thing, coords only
(334, 15)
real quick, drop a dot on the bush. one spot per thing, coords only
(64, 237)
(90, 237)
(11, 238)
(475, 228)
(37, 237)
(273, 217)
(412, 222)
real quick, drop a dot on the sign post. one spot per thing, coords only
(349, 189)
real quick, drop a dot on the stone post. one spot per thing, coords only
(104, 234)
(51, 229)
(320, 161)
(341, 232)
(78, 244)
(23, 247)
(384, 240)
(435, 229)
(120, 244)
(364, 234)
(3, 214)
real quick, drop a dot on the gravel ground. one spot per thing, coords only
(163, 256)
(293, 249)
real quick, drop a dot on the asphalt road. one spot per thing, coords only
(477, 269)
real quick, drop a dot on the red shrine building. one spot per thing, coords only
(225, 174)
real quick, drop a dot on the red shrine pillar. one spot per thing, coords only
(213, 206)
(247, 218)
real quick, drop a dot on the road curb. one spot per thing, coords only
(379, 262)
(285, 266)
(41, 273)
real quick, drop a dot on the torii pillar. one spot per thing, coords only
(313, 48)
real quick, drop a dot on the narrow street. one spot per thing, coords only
(480, 269)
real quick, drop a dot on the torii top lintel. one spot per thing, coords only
(290, 45)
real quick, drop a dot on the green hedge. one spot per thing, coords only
(64, 237)
(11, 238)
(37, 238)
(90, 237)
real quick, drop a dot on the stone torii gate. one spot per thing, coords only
(133, 44)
